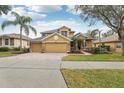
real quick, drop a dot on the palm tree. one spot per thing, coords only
(108, 33)
(4, 9)
(92, 33)
(24, 24)
(77, 41)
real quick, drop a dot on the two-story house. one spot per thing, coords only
(57, 40)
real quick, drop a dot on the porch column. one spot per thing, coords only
(2, 41)
(9, 42)
(84, 43)
(76, 46)
(69, 47)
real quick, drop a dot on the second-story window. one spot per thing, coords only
(64, 33)
(6, 41)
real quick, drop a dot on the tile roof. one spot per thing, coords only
(50, 31)
(83, 35)
(37, 39)
(109, 39)
(14, 35)
(55, 30)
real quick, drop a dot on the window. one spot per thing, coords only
(6, 41)
(11, 41)
(64, 33)
(0, 41)
(118, 45)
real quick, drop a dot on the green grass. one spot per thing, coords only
(94, 78)
(6, 54)
(95, 57)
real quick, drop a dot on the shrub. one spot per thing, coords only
(98, 50)
(25, 50)
(16, 49)
(95, 50)
(4, 49)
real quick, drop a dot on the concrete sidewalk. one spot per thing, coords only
(92, 65)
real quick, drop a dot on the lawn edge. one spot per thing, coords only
(64, 77)
(92, 60)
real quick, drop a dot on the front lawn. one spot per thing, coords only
(94, 78)
(6, 54)
(95, 57)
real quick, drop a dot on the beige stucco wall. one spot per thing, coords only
(55, 45)
(52, 39)
(16, 43)
(64, 29)
(71, 34)
(89, 43)
(68, 31)
(112, 46)
(119, 50)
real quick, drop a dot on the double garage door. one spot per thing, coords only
(50, 47)
(56, 47)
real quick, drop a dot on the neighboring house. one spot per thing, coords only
(112, 41)
(58, 40)
(13, 41)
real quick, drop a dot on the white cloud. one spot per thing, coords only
(7, 17)
(33, 15)
(45, 8)
(36, 16)
(43, 25)
(19, 10)
(22, 11)
(71, 9)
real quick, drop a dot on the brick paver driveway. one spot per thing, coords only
(32, 70)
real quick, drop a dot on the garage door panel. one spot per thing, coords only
(36, 47)
(57, 47)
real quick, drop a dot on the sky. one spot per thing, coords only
(49, 17)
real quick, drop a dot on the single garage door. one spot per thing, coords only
(36, 47)
(56, 47)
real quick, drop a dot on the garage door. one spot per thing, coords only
(36, 47)
(58, 47)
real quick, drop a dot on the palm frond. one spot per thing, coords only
(7, 23)
(25, 19)
(15, 14)
(25, 28)
(33, 29)
(4, 9)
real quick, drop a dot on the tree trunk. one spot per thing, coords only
(21, 39)
(122, 41)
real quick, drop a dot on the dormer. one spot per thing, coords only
(65, 31)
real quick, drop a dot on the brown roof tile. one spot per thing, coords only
(109, 39)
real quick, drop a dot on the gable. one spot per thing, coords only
(64, 29)
(56, 38)
(81, 36)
